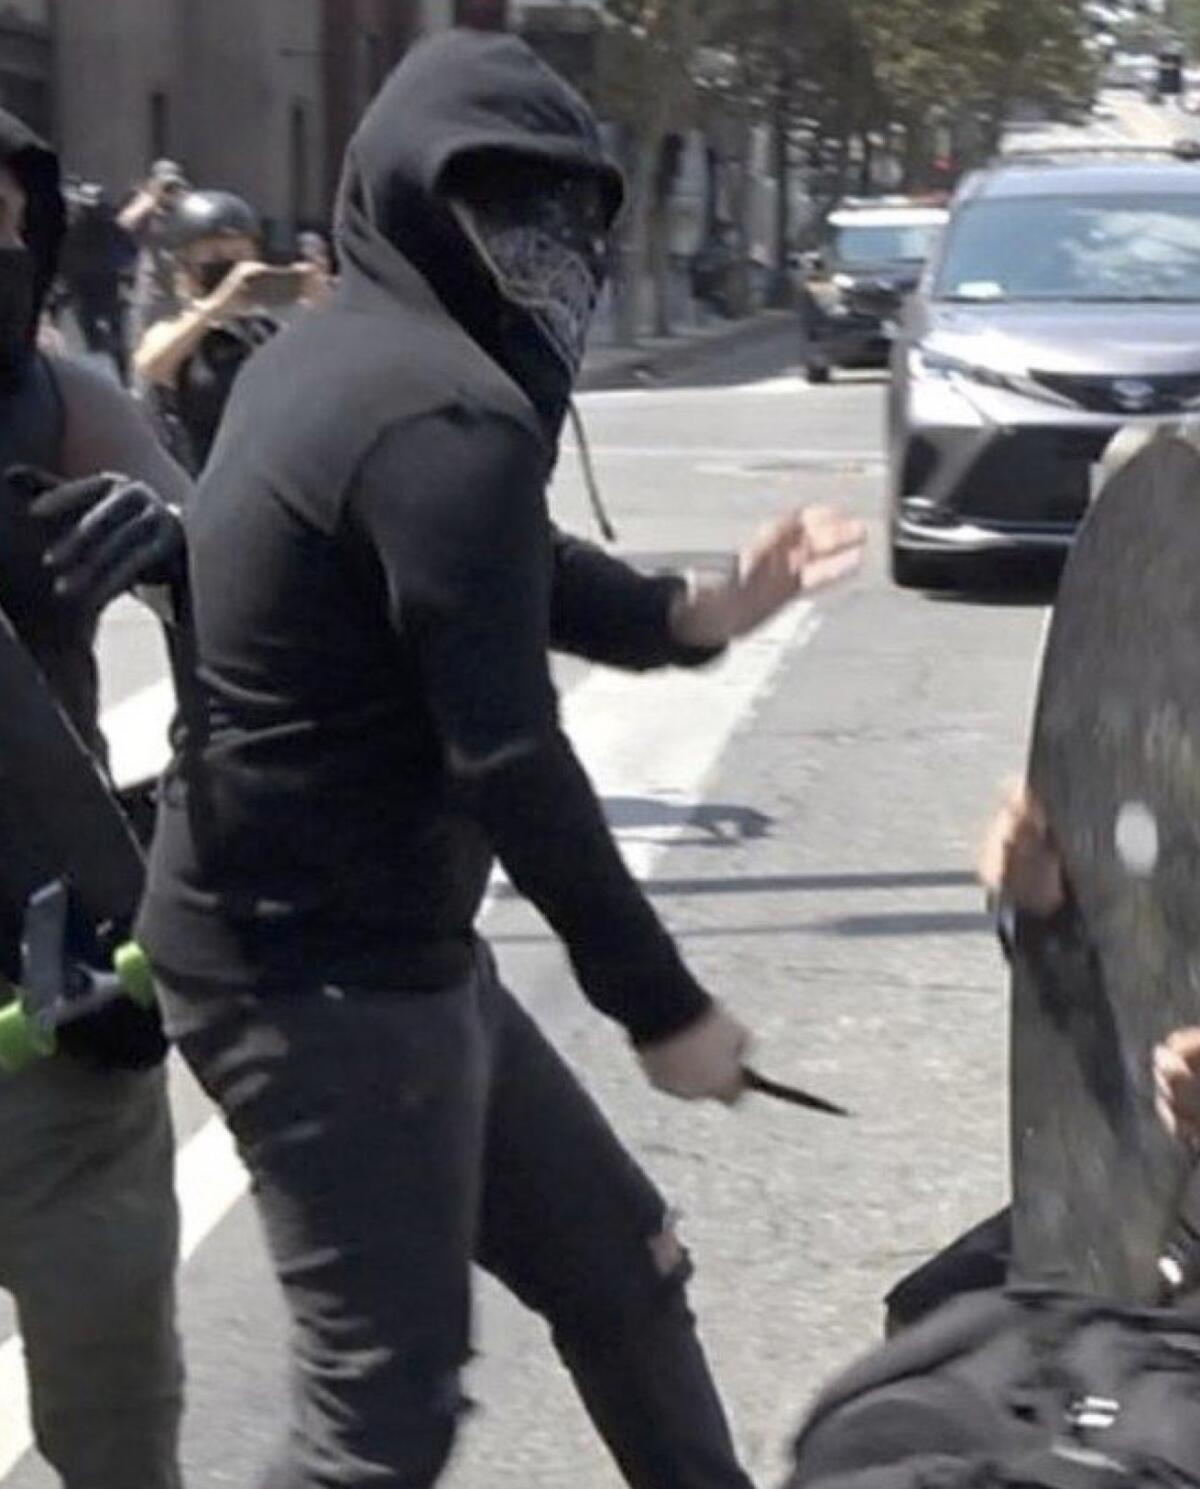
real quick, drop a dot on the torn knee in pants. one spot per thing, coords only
(670, 1255)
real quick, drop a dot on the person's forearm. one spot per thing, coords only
(543, 819)
(167, 345)
(132, 219)
(608, 612)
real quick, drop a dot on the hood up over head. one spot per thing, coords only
(461, 103)
(36, 166)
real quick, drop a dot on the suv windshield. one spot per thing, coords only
(1122, 249)
(892, 243)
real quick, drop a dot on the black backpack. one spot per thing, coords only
(1020, 1388)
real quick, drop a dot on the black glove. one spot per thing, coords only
(106, 534)
(123, 1036)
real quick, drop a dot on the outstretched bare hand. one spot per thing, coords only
(796, 555)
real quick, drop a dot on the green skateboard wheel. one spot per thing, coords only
(133, 970)
(22, 1043)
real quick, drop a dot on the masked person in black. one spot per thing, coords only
(98, 258)
(88, 1224)
(376, 585)
(191, 359)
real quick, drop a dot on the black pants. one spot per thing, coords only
(393, 1138)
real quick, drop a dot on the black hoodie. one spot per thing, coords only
(36, 166)
(377, 585)
(32, 433)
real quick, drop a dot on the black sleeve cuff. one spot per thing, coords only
(676, 654)
(653, 997)
(607, 611)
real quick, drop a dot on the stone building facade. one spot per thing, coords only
(233, 90)
(26, 61)
(257, 96)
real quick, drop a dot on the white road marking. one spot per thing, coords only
(658, 737)
(209, 1179)
(16, 1437)
(136, 730)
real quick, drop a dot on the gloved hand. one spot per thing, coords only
(122, 1036)
(705, 1062)
(105, 534)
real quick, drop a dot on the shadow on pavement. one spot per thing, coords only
(749, 884)
(931, 923)
(720, 823)
(809, 883)
(935, 923)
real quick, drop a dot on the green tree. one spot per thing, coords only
(1184, 17)
(972, 60)
(849, 76)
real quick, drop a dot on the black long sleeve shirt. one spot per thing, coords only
(379, 720)
(376, 586)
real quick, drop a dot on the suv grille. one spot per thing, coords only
(1115, 394)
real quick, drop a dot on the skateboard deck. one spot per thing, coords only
(1115, 761)
(69, 861)
(59, 817)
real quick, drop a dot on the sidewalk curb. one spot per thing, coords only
(652, 361)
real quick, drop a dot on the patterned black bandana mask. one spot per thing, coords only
(548, 252)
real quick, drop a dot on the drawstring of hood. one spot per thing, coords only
(599, 510)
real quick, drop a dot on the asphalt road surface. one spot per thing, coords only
(805, 816)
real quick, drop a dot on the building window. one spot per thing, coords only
(483, 15)
(298, 159)
(160, 125)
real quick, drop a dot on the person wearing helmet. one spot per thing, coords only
(88, 1219)
(191, 359)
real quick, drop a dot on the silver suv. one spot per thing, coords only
(1063, 304)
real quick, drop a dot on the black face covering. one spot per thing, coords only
(18, 315)
(475, 119)
(546, 242)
